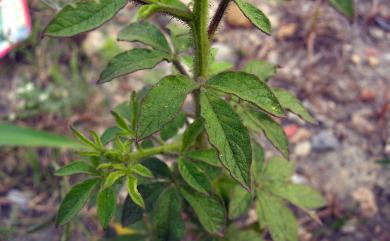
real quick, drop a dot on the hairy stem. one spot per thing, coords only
(144, 153)
(180, 67)
(200, 37)
(217, 17)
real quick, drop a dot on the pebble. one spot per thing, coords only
(19, 198)
(373, 61)
(366, 199)
(361, 123)
(302, 149)
(324, 140)
(356, 59)
(290, 130)
(367, 95)
(302, 134)
(235, 18)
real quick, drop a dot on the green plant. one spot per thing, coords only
(218, 163)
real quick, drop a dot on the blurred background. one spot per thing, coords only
(339, 68)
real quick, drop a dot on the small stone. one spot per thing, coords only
(361, 123)
(325, 140)
(235, 18)
(366, 199)
(302, 134)
(367, 95)
(376, 33)
(302, 149)
(19, 198)
(373, 61)
(286, 31)
(356, 59)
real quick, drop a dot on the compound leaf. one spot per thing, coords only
(249, 88)
(257, 17)
(240, 201)
(262, 69)
(228, 136)
(146, 33)
(209, 210)
(191, 133)
(106, 203)
(132, 188)
(75, 200)
(83, 16)
(193, 176)
(290, 102)
(76, 167)
(167, 221)
(346, 7)
(162, 103)
(277, 217)
(129, 62)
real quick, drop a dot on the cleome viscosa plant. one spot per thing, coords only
(216, 171)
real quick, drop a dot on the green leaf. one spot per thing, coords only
(228, 136)
(258, 160)
(346, 7)
(257, 17)
(76, 167)
(209, 210)
(121, 122)
(249, 88)
(290, 102)
(142, 171)
(191, 133)
(83, 138)
(194, 177)
(131, 212)
(112, 178)
(262, 69)
(145, 11)
(133, 191)
(240, 201)
(273, 213)
(129, 62)
(279, 169)
(83, 16)
(12, 135)
(159, 168)
(146, 33)
(300, 195)
(208, 156)
(109, 134)
(235, 234)
(167, 221)
(173, 127)
(106, 203)
(75, 200)
(259, 121)
(162, 103)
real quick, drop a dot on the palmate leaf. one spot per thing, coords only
(249, 88)
(257, 17)
(83, 16)
(172, 128)
(277, 217)
(209, 156)
(162, 103)
(234, 234)
(129, 62)
(278, 169)
(167, 221)
(75, 200)
(146, 33)
(346, 7)
(159, 168)
(106, 203)
(209, 210)
(228, 136)
(191, 133)
(290, 102)
(193, 176)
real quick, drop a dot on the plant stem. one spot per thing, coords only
(144, 153)
(217, 17)
(201, 56)
(179, 67)
(201, 40)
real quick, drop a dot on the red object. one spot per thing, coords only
(290, 130)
